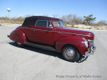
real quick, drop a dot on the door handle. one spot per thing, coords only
(33, 29)
(49, 30)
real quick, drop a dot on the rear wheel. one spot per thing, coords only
(19, 44)
(71, 54)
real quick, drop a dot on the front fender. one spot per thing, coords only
(76, 41)
(18, 36)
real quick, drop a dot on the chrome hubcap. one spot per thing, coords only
(18, 43)
(69, 53)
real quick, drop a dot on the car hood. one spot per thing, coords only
(86, 34)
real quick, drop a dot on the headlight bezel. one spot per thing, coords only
(85, 42)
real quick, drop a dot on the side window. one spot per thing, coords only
(56, 23)
(42, 23)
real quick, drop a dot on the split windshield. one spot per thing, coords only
(58, 23)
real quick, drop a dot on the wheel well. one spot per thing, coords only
(22, 36)
(66, 45)
(78, 55)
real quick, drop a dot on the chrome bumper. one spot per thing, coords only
(90, 51)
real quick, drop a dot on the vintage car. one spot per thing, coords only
(50, 33)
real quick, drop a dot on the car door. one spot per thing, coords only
(44, 33)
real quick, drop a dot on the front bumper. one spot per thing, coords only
(90, 51)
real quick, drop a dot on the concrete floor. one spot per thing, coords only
(30, 63)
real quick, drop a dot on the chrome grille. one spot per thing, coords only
(91, 47)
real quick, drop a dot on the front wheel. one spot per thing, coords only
(71, 54)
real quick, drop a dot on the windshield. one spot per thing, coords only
(59, 23)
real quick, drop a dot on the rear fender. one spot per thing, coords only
(18, 36)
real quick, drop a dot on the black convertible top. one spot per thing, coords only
(30, 21)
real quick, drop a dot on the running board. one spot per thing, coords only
(41, 46)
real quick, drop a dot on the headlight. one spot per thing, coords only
(85, 42)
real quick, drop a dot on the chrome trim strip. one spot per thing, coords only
(58, 32)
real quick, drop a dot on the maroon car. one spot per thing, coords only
(50, 33)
